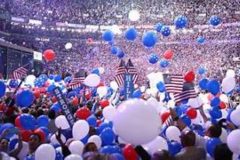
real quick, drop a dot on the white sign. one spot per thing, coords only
(37, 56)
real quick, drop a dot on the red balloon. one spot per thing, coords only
(104, 103)
(129, 152)
(41, 134)
(99, 122)
(37, 94)
(164, 116)
(54, 99)
(189, 76)
(25, 135)
(83, 113)
(101, 84)
(191, 113)
(88, 95)
(17, 122)
(222, 105)
(75, 101)
(168, 54)
(49, 55)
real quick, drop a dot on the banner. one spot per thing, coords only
(128, 85)
(65, 108)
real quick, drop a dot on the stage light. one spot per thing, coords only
(134, 15)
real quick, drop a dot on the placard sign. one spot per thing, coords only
(128, 85)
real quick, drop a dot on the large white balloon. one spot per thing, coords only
(136, 122)
(95, 139)
(92, 80)
(61, 122)
(230, 73)
(114, 85)
(24, 151)
(76, 147)
(102, 91)
(45, 151)
(54, 140)
(235, 118)
(223, 136)
(173, 133)
(233, 141)
(73, 157)
(159, 143)
(30, 80)
(152, 101)
(223, 98)
(109, 112)
(80, 129)
(228, 84)
(195, 102)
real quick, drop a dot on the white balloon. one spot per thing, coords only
(159, 143)
(45, 151)
(68, 45)
(195, 102)
(121, 141)
(223, 136)
(101, 70)
(133, 117)
(76, 147)
(224, 98)
(102, 91)
(80, 129)
(30, 80)
(230, 73)
(114, 85)
(54, 140)
(142, 88)
(92, 80)
(109, 112)
(24, 151)
(73, 157)
(153, 102)
(235, 118)
(134, 15)
(171, 103)
(95, 139)
(61, 122)
(233, 141)
(228, 84)
(173, 133)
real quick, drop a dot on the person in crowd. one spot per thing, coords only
(222, 152)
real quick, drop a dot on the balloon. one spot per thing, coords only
(215, 113)
(61, 122)
(13, 83)
(134, 15)
(228, 84)
(120, 54)
(57, 78)
(164, 116)
(104, 103)
(108, 36)
(149, 39)
(131, 34)
(114, 85)
(114, 50)
(95, 139)
(153, 58)
(215, 102)
(173, 133)
(103, 126)
(2, 89)
(186, 120)
(232, 141)
(165, 31)
(223, 98)
(56, 107)
(76, 147)
(102, 91)
(68, 46)
(110, 149)
(213, 87)
(200, 40)
(101, 70)
(107, 136)
(203, 84)
(45, 151)
(92, 80)
(230, 73)
(168, 54)
(83, 113)
(129, 152)
(201, 70)
(80, 129)
(137, 94)
(174, 148)
(75, 101)
(138, 117)
(92, 121)
(27, 121)
(42, 121)
(158, 27)
(118, 156)
(235, 118)
(189, 76)
(73, 157)
(159, 143)
(164, 63)
(195, 102)
(211, 145)
(54, 140)
(25, 98)
(215, 20)
(161, 86)
(191, 113)
(224, 136)
(181, 21)
(49, 55)
(109, 112)
(24, 151)
(25, 135)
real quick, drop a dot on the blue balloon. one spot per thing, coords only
(51, 76)
(203, 84)
(57, 78)
(114, 50)
(137, 94)
(107, 136)
(179, 111)
(215, 102)
(51, 88)
(85, 139)
(186, 120)
(200, 40)
(13, 83)
(131, 34)
(215, 113)
(174, 148)
(201, 70)
(68, 133)
(25, 98)
(39, 82)
(45, 131)
(56, 107)
(153, 58)
(166, 31)
(118, 156)
(213, 87)
(161, 86)
(184, 108)
(108, 36)
(59, 156)
(67, 79)
(215, 20)
(96, 71)
(103, 126)
(181, 21)
(92, 121)
(2, 89)
(211, 145)
(158, 27)
(6, 126)
(110, 150)
(164, 63)
(42, 121)
(27, 121)
(149, 39)
(120, 54)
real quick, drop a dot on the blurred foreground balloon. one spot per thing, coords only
(80, 129)
(25, 98)
(45, 151)
(232, 141)
(92, 80)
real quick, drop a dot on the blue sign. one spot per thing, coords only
(65, 108)
(128, 85)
